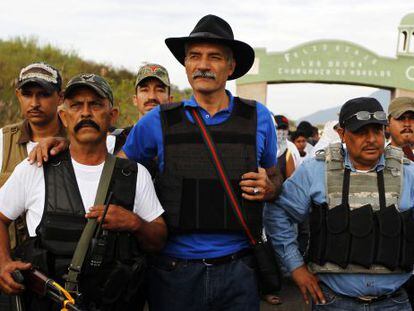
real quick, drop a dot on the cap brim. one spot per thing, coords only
(357, 125)
(151, 76)
(75, 85)
(398, 113)
(242, 52)
(42, 83)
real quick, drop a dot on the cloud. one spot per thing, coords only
(127, 33)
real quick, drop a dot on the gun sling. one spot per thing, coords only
(78, 259)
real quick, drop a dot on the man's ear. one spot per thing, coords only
(135, 101)
(232, 67)
(114, 115)
(341, 133)
(62, 115)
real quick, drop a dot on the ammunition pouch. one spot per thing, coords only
(318, 232)
(338, 237)
(407, 245)
(388, 237)
(115, 284)
(363, 236)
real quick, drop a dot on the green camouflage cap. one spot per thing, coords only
(153, 71)
(93, 81)
(400, 105)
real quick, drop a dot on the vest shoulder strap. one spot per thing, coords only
(334, 157)
(245, 101)
(394, 158)
(170, 106)
(117, 132)
(126, 165)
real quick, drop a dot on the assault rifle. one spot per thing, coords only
(37, 282)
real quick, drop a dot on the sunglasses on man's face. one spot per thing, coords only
(366, 115)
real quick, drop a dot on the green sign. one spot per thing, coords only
(331, 61)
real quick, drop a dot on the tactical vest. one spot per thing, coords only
(115, 284)
(360, 228)
(13, 152)
(189, 189)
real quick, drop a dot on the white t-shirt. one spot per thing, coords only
(24, 191)
(295, 152)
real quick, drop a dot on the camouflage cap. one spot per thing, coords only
(399, 106)
(42, 74)
(153, 71)
(93, 81)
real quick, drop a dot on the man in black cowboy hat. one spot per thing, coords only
(207, 263)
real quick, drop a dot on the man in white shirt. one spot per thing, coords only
(58, 197)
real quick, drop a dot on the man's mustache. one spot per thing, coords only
(370, 147)
(84, 123)
(204, 74)
(406, 130)
(34, 110)
(152, 101)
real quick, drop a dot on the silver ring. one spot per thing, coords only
(255, 190)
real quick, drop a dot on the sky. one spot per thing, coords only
(128, 33)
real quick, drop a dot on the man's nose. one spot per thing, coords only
(152, 94)
(371, 136)
(203, 64)
(34, 100)
(86, 111)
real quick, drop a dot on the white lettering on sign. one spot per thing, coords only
(344, 73)
(409, 73)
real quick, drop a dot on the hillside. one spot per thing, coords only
(19, 52)
(322, 116)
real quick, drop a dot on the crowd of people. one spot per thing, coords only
(170, 211)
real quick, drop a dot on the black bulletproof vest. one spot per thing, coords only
(189, 189)
(62, 225)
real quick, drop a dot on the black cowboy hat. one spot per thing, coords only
(214, 29)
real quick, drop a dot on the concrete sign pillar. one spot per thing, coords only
(256, 91)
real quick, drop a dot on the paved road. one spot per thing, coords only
(291, 299)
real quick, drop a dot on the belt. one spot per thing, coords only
(373, 299)
(223, 259)
(172, 261)
(368, 299)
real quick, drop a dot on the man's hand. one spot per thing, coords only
(308, 283)
(117, 218)
(46, 146)
(257, 186)
(7, 284)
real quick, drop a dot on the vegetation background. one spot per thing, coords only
(20, 52)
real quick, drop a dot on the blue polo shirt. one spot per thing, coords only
(145, 142)
(307, 185)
